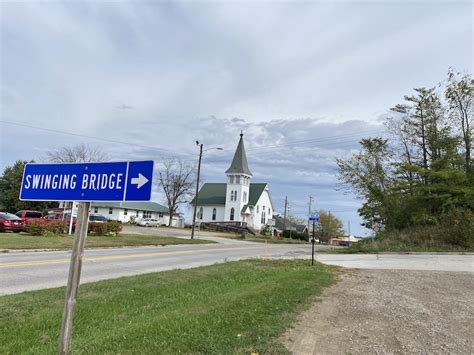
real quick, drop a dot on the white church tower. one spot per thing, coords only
(238, 184)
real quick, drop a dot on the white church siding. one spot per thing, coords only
(207, 212)
(263, 202)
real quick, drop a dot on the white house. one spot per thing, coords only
(132, 211)
(238, 200)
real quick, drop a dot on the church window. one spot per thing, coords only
(200, 213)
(237, 179)
(232, 214)
(231, 179)
(214, 212)
(257, 208)
(245, 197)
(263, 217)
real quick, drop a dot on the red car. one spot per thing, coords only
(28, 215)
(10, 222)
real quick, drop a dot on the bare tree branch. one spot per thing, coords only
(177, 179)
(80, 153)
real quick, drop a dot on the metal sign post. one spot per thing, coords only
(75, 266)
(116, 181)
(312, 244)
(313, 218)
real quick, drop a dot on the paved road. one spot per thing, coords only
(37, 270)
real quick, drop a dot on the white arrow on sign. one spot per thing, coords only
(139, 181)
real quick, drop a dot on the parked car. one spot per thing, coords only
(11, 222)
(29, 215)
(149, 222)
(97, 218)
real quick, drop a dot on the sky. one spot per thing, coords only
(304, 81)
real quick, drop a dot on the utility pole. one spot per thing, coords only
(349, 230)
(197, 190)
(284, 216)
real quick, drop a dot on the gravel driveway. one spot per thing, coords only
(387, 312)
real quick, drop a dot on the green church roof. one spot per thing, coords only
(239, 163)
(213, 194)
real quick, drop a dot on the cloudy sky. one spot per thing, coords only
(144, 80)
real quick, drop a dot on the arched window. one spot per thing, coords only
(245, 197)
(214, 212)
(232, 214)
(200, 213)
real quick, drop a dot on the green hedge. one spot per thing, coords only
(294, 235)
(46, 229)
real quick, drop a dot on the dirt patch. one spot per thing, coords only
(389, 311)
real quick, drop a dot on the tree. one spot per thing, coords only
(177, 179)
(10, 185)
(80, 153)
(460, 96)
(368, 173)
(329, 226)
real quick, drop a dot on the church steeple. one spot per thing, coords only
(239, 163)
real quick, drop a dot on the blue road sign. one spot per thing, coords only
(118, 181)
(314, 217)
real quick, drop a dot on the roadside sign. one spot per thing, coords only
(117, 181)
(270, 222)
(314, 217)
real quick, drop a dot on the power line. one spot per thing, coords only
(86, 136)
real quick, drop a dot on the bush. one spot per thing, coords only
(56, 227)
(35, 228)
(46, 229)
(98, 228)
(114, 227)
(294, 235)
(111, 228)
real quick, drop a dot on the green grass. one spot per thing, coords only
(274, 240)
(25, 241)
(394, 246)
(236, 307)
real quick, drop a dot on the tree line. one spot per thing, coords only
(422, 173)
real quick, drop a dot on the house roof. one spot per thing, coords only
(141, 206)
(280, 225)
(213, 194)
(239, 163)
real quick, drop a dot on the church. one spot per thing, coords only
(237, 201)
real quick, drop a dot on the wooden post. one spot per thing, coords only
(80, 235)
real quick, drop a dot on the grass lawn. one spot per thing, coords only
(274, 240)
(261, 238)
(25, 241)
(395, 247)
(236, 307)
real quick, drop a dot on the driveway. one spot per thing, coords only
(389, 312)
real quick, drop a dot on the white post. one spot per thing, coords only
(71, 218)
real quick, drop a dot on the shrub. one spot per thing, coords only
(114, 227)
(56, 227)
(98, 228)
(46, 229)
(35, 228)
(294, 235)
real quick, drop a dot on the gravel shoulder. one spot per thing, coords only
(389, 312)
